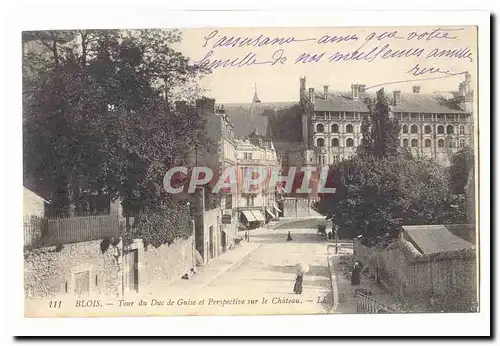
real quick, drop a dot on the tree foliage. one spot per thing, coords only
(97, 114)
(160, 225)
(375, 197)
(380, 131)
(462, 163)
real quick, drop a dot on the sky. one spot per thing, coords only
(397, 54)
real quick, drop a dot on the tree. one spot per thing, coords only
(97, 118)
(380, 131)
(375, 197)
(462, 163)
(366, 146)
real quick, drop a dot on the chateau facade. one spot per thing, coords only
(432, 125)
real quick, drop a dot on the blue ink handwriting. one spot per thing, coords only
(238, 41)
(418, 71)
(278, 57)
(459, 53)
(382, 36)
(436, 34)
(415, 80)
(384, 52)
(308, 58)
(337, 39)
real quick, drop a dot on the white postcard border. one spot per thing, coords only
(411, 324)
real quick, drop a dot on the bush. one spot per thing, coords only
(375, 197)
(162, 225)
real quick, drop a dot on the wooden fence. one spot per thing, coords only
(39, 232)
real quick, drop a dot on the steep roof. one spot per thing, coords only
(410, 102)
(426, 103)
(248, 117)
(465, 231)
(340, 101)
(434, 238)
(28, 194)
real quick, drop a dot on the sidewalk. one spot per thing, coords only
(341, 265)
(224, 262)
(219, 265)
(213, 269)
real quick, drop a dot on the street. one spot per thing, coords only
(269, 272)
(261, 281)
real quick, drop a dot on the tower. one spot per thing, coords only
(255, 106)
(255, 96)
(305, 101)
(466, 94)
(302, 89)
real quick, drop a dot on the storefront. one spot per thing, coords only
(252, 218)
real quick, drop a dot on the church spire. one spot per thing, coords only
(255, 97)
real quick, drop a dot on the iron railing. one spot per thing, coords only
(369, 305)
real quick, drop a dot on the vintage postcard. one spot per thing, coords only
(250, 171)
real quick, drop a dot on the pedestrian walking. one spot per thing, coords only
(302, 269)
(289, 238)
(356, 274)
(297, 288)
(246, 236)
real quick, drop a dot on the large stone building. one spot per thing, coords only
(257, 204)
(218, 217)
(325, 126)
(432, 125)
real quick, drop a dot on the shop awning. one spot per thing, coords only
(270, 213)
(258, 215)
(277, 208)
(249, 216)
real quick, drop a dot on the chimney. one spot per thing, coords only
(397, 97)
(466, 93)
(467, 83)
(416, 89)
(312, 96)
(219, 109)
(325, 91)
(355, 91)
(461, 89)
